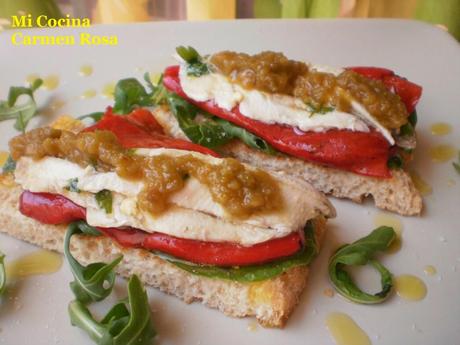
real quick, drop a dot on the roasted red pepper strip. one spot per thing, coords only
(208, 253)
(409, 92)
(134, 131)
(360, 152)
(56, 209)
(143, 118)
(50, 208)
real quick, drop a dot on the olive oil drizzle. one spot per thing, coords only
(345, 330)
(36, 263)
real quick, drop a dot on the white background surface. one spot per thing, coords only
(34, 312)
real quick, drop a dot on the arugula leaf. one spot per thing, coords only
(409, 128)
(195, 65)
(89, 280)
(158, 92)
(256, 273)
(128, 94)
(16, 91)
(211, 132)
(413, 118)
(361, 252)
(104, 200)
(246, 137)
(406, 130)
(395, 162)
(23, 113)
(96, 116)
(9, 166)
(122, 325)
(457, 165)
(207, 133)
(2, 273)
(73, 185)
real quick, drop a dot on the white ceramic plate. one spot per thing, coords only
(35, 311)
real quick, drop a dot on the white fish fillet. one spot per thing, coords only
(194, 214)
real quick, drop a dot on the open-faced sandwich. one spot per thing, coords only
(349, 132)
(187, 221)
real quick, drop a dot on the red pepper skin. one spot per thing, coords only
(56, 209)
(359, 152)
(208, 253)
(409, 92)
(50, 208)
(136, 131)
(144, 119)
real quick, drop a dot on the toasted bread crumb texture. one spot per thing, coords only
(397, 194)
(271, 301)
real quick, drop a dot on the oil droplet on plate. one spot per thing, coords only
(31, 78)
(57, 104)
(345, 331)
(451, 182)
(328, 292)
(383, 219)
(430, 270)
(108, 90)
(3, 157)
(88, 94)
(51, 82)
(39, 262)
(442, 153)
(252, 326)
(410, 287)
(440, 128)
(86, 70)
(423, 187)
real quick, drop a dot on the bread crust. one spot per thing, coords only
(396, 194)
(270, 301)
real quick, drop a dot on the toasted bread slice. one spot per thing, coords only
(397, 194)
(270, 301)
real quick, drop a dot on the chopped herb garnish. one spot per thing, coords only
(104, 200)
(196, 66)
(73, 185)
(321, 110)
(9, 166)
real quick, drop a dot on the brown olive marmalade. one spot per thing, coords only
(240, 191)
(275, 73)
